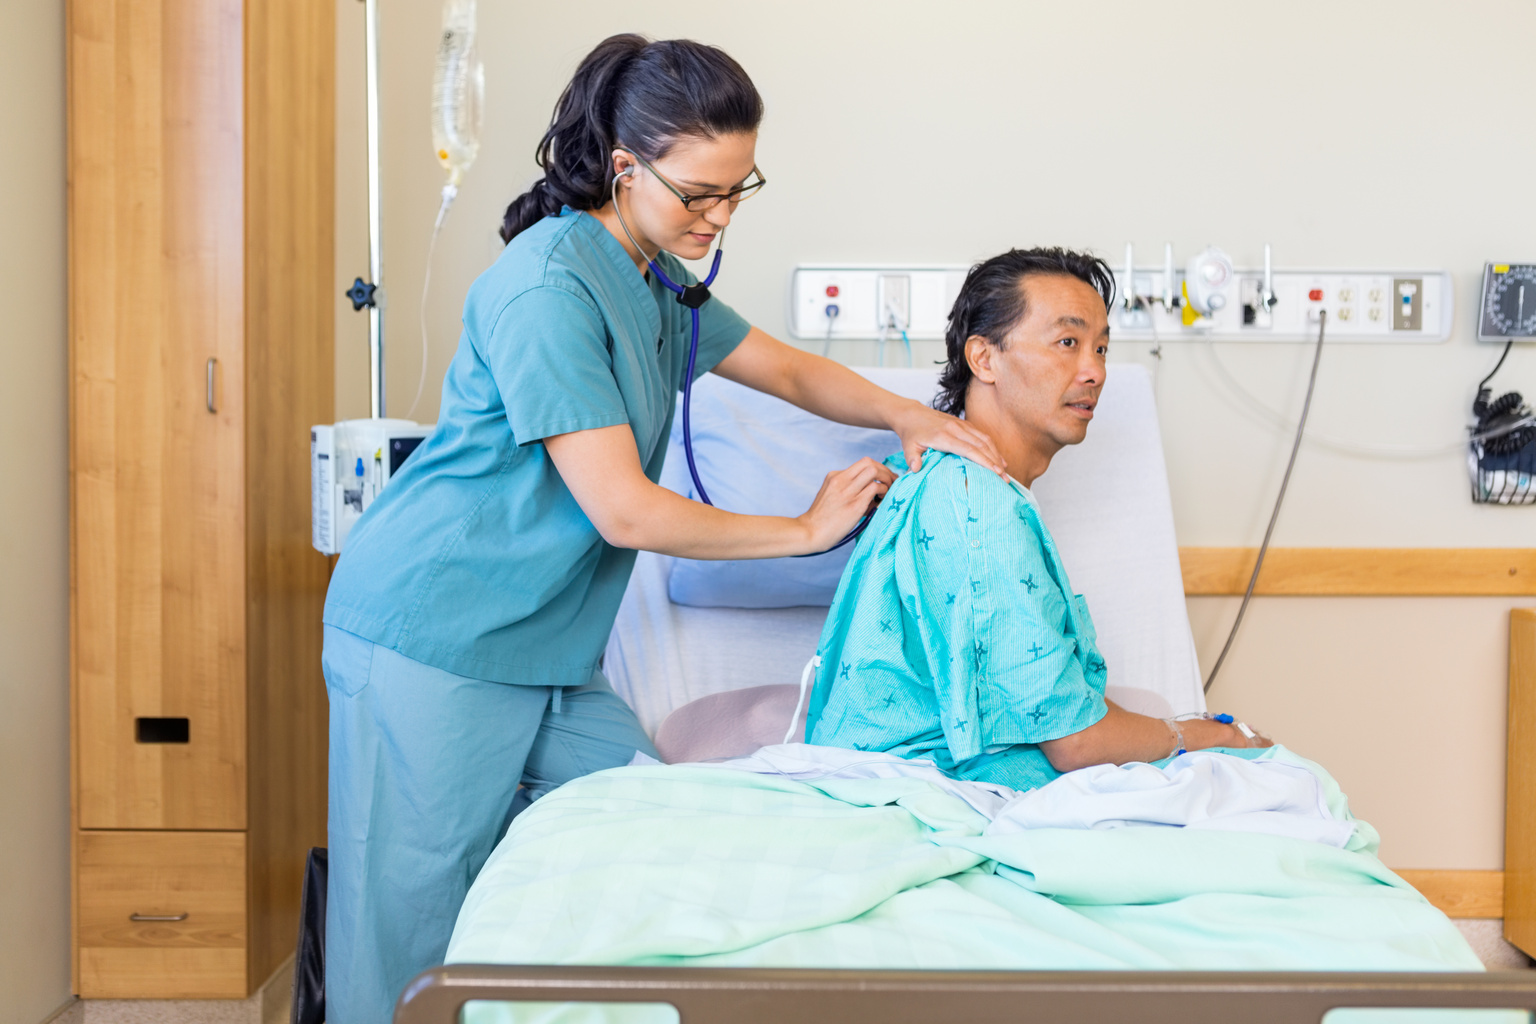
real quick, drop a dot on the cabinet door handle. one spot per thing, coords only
(213, 365)
(158, 917)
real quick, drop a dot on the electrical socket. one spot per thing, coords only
(893, 301)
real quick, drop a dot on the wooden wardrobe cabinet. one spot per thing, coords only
(201, 161)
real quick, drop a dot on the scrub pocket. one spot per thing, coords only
(346, 660)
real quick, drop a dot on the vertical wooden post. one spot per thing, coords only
(1520, 794)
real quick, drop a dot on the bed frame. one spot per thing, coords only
(737, 996)
(704, 995)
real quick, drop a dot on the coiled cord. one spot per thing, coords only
(1505, 411)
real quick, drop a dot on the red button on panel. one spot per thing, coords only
(1316, 295)
(832, 291)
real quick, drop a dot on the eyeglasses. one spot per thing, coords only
(708, 201)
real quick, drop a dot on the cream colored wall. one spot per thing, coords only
(34, 511)
(1353, 135)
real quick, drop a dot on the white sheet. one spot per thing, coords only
(1198, 790)
(1106, 501)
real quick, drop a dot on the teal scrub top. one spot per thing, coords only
(955, 635)
(476, 559)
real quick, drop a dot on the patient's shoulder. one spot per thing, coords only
(943, 472)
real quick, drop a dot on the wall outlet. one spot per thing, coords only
(893, 301)
(867, 295)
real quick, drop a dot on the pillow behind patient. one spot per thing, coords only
(758, 455)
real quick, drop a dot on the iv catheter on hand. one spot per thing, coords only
(693, 296)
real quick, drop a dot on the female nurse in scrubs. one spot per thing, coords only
(465, 621)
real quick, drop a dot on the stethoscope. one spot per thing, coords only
(693, 296)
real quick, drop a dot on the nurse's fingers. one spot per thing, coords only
(846, 497)
(880, 471)
(960, 438)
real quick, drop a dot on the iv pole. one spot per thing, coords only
(364, 293)
(375, 217)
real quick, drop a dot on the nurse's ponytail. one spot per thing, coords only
(644, 94)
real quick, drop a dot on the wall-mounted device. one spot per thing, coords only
(1508, 308)
(349, 464)
(1214, 299)
(832, 301)
(1207, 282)
(1209, 298)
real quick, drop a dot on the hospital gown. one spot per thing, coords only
(954, 635)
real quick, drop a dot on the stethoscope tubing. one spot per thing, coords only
(693, 297)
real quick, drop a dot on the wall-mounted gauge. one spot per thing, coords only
(1509, 302)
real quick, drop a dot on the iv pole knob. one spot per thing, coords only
(361, 294)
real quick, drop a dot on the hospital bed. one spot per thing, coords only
(728, 673)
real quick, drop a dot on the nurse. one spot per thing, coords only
(465, 622)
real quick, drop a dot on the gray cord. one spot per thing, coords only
(1274, 516)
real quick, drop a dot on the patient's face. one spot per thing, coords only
(1050, 372)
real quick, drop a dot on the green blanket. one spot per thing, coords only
(702, 866)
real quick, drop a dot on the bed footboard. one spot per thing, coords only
(735, 996)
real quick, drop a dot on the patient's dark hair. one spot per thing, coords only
(641, 94)
(991, 303)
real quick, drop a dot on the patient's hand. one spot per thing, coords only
(1200, 733)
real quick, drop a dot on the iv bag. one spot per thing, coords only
(458, 91)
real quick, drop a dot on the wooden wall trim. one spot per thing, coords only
(1520, 785)
(1341, 572)
(1461, 893)
(290, 133)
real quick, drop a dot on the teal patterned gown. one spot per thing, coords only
(955, 635)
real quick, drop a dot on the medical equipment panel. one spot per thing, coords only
(1213, 300)
(845, 301)
(349, 464)
(1210, 298)
(1508, 307)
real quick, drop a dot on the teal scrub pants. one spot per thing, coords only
(424, 773)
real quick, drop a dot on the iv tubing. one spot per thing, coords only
(449, 193)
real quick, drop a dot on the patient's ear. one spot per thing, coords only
(978, 353)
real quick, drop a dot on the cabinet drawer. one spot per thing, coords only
(161, 914)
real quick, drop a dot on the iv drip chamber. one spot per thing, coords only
(458, 92)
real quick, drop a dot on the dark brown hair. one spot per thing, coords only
(637, 93)
(991, 303)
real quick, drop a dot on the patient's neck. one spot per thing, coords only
(1027, 452)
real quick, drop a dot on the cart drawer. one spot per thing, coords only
(161, 914)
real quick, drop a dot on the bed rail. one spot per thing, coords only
(760, 996)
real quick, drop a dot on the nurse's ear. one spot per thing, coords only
(624, 167)
(978, 355)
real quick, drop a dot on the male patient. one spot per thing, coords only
(955, 635)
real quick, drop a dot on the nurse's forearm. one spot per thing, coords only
(1123, 736)
(601, 467)
(833, 391)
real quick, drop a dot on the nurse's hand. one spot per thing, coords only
(846, 496)
(921, 428)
